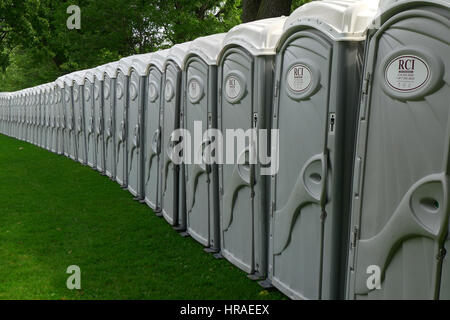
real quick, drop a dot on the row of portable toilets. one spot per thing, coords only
(359, 206)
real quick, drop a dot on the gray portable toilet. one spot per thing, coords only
(135, 103)
(154, 63)
(24, 105)
(99, 118)
(88, 106)
(317, 83)
(40, 99)
(400, 209)
(79, 79)
(200, 105)
(109, 92)
(54, 117)
(45, 96)
(60, 118)
(245, 97)
(121, 128)
(172, 94)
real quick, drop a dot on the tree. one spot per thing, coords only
(262, 9)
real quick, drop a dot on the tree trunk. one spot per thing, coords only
(262, 9)
(250, 10)
(274, 8)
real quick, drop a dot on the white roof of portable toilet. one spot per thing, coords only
(60, 82)
(79, 77)
(339, 19)
(208, 48)
(258, 37)
(89, 75)
(178, 53)
(125, 66)
(110, 69)
(142, 62)
(98, 72)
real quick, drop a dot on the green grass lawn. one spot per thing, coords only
(54, 213)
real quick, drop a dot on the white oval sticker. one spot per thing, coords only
(106, 91)
(232, 87)
(194, 89)
(168, 91)
(152, 92)
(407, 73)
(299, 78)
(133, 91)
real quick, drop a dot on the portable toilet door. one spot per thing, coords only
(88, 106)
(51, 119)
(41, 119)
(71, 151)
(54, 116)
(99, 120)
(31, 96)
(400, 209)
(121, 128)
(318, 74)
(200, 107)
(60, 118)
(152, 129)
(109, 85)
(172, 92)
(64, 141)
(135, 94)
(40, 100)
(245, 98)
(79, 119)
(25, 103)
(47, 118)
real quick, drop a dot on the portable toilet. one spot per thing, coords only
(69, 116)
(135, 104)
(54, 117)
(99, 118)
(79, 79)
(45, 96)
(26, 103)
(60, 117)
(317, 83)
(40, 98)
(400, 209)
(245, 80)
(109, 85)
(200, 107)
(121, 127)
(88, 109)
(170, 170)
(17, 112)
(153, 63)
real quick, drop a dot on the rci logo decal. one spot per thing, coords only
(299, 78)
(407, 73)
